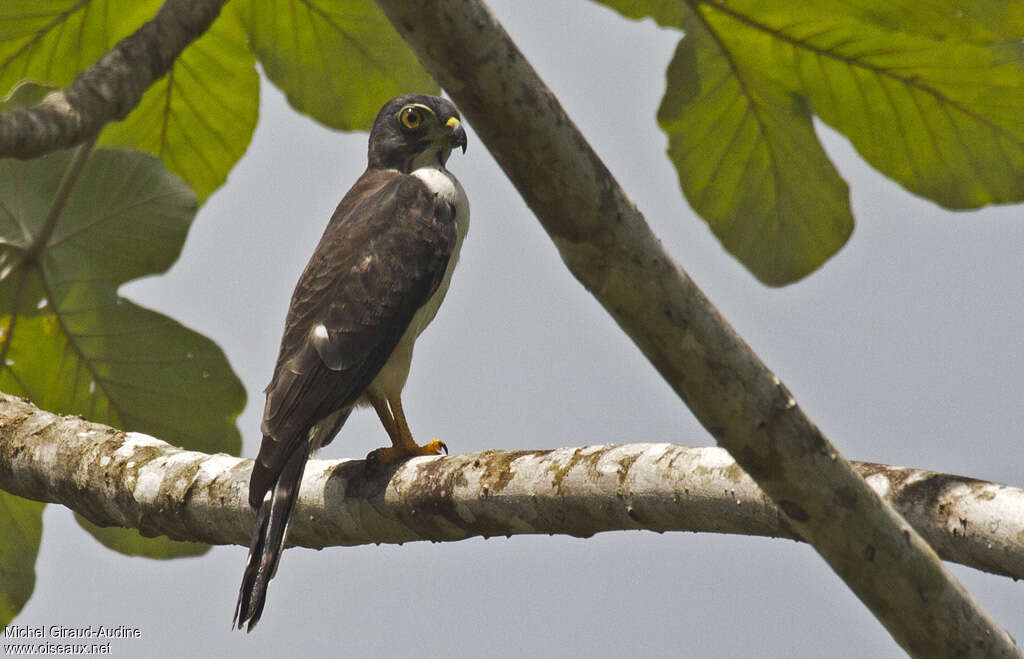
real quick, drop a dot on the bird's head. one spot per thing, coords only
(415, 131)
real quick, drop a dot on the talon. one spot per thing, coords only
(433, 447)
(382, 457)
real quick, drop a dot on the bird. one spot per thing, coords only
(372, 285)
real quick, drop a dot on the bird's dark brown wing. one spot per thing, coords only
(380, 259)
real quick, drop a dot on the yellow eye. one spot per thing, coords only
(411, 117)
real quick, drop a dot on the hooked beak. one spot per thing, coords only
(457, 136)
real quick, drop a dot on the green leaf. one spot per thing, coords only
(337, 62)
(114, 362)
(21, 528)
(749, 162)
(82, 349)
(70, 343)
(55, 40)
(984, 21)
(942, 117)
(978, 20)
(199, 118)
(930, 92)
(25, 93)
(131, 543)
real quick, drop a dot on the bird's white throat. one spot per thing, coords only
(443, 183)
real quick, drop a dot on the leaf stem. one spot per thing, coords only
(30, 254)
(60, 200)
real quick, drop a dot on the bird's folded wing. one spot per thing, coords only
(380, 259)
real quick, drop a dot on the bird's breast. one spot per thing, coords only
(443, 184)
(392, 377)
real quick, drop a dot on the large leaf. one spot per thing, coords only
(82, 349)
(71, 344)
(55, 40)
(930, 93)
(942, 117)
(114, 362)
(978, 20)
(21, 527)
(750, 164)
(335, 61)
(985, 21)
(198, 119)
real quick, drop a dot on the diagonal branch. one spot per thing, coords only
(129, 479)
(607, 245)
(109, 89)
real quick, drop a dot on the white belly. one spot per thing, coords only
(391, 379)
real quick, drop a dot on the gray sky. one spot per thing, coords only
(905, 349)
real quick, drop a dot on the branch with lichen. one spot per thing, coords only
(111, 88)
(116, 478)
(606, 243)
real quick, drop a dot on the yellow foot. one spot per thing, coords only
(382, 457)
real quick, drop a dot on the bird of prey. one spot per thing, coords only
(375, 281)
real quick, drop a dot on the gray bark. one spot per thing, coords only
(109, 89)
(607, 245)
(129, 479)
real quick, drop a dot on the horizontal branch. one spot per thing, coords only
(133, 480)
(109, 89)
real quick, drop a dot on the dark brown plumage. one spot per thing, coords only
(368, 276)
(372, 284)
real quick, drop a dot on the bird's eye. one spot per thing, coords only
(411, 117)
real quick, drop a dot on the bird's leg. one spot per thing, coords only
(384, 414)
(433, 447)
(392, 416)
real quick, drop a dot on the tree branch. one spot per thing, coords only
(128, 479)
(607, 245)
(109, 89)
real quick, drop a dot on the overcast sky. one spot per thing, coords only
(905, 349)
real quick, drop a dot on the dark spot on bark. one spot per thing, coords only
(794, 510)
(352, 480)
(927, 495)
(845, 497)
(431, 493)
(761, 465)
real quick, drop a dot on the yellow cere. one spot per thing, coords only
(452, 123)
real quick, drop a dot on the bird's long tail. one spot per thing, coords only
(268, 540)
